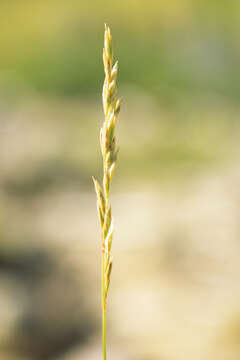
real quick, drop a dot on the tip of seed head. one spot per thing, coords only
(107, 30)
(106, 27)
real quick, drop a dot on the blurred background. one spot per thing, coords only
(175, 291)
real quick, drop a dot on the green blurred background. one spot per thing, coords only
(175, 287)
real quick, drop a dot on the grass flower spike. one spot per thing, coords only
(111, 106)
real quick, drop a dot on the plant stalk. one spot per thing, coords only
(109, 151)
(104, 319)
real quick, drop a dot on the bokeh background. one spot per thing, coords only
(175, 291)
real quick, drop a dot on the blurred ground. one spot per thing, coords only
(175, 292)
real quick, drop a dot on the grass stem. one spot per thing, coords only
(111, 106)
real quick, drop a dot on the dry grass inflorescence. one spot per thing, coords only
(109, 151)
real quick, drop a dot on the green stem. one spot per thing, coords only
(104, 346)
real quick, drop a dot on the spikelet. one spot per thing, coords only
(111, 106)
